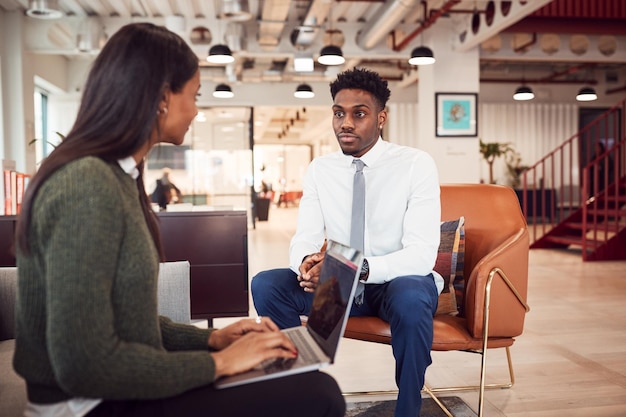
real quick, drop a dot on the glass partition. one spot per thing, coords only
(213, 167)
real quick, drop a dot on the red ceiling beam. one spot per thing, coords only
(432, 18)
(604, 9)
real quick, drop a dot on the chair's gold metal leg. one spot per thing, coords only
(439, 403)
(503, 385)
(369, 393)
(511, 373)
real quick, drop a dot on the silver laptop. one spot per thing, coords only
(317, 342)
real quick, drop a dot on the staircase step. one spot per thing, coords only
(572, 240)
(610, 212)
(610, 227)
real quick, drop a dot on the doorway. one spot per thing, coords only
(596, 135)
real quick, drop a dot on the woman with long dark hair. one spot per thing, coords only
(89, 339)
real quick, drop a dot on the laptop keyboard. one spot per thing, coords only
(277, 364)
(304, 350)
(305, 354)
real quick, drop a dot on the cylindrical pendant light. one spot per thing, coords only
(220, 54)
(523, 93)
(304, 91)
(331, 55)
(587, 94)
(223, 91)
(422, 55)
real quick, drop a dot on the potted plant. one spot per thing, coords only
(515, 168)
(59, 134)
(491, 151)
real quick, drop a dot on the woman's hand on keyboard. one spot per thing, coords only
(221, 338)
(250, 350)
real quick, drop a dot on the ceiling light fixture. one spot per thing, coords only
(587, 94)
(223, 91)
(422, 55)
(331, 55)
(220, 54)
(303, 64)
(523, 93)
(44, 9)
(304, 91)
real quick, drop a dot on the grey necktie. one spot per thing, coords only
(357, 226)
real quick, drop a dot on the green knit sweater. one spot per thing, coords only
(86, 316)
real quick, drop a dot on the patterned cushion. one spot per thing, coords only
(449, 264)
(459, 277)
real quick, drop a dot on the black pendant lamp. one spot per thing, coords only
(304, 91)
(331, 55)
(586, 94)
(523, 93)
(220, 54)
(223, 91)
(422, 55)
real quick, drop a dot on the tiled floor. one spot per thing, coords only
(570, 361)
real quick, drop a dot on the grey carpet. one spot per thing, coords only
(429, 408)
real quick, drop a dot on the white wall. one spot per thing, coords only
(533, 130)
(457, 158)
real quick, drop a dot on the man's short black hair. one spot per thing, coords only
(362, 79)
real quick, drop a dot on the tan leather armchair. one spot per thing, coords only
(496, 278)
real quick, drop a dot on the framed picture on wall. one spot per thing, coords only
(456, 114)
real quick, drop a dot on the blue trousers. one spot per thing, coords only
(407, 303)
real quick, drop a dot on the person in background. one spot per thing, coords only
(401, 238)
(89, 341)
(166, 192)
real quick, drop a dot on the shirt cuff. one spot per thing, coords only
(378, 270)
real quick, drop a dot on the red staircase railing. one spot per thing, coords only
(578, 186)
(602, 212)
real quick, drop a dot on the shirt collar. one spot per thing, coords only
(371, 156)
(129, 166)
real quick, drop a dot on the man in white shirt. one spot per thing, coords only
(401, 232)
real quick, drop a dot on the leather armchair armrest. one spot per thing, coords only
(507, 313)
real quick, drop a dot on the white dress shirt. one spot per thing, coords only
(402, 210)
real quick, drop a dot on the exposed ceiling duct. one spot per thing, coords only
(273, 20)
(234, 10)
(316, 15)
(384, 22)
(235, 36)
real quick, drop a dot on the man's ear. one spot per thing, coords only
(382, 117)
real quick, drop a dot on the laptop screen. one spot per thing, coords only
(333, 296)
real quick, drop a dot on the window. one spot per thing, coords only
(43, 143)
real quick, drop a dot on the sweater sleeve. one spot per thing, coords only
(177, 336)
(84, 242)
